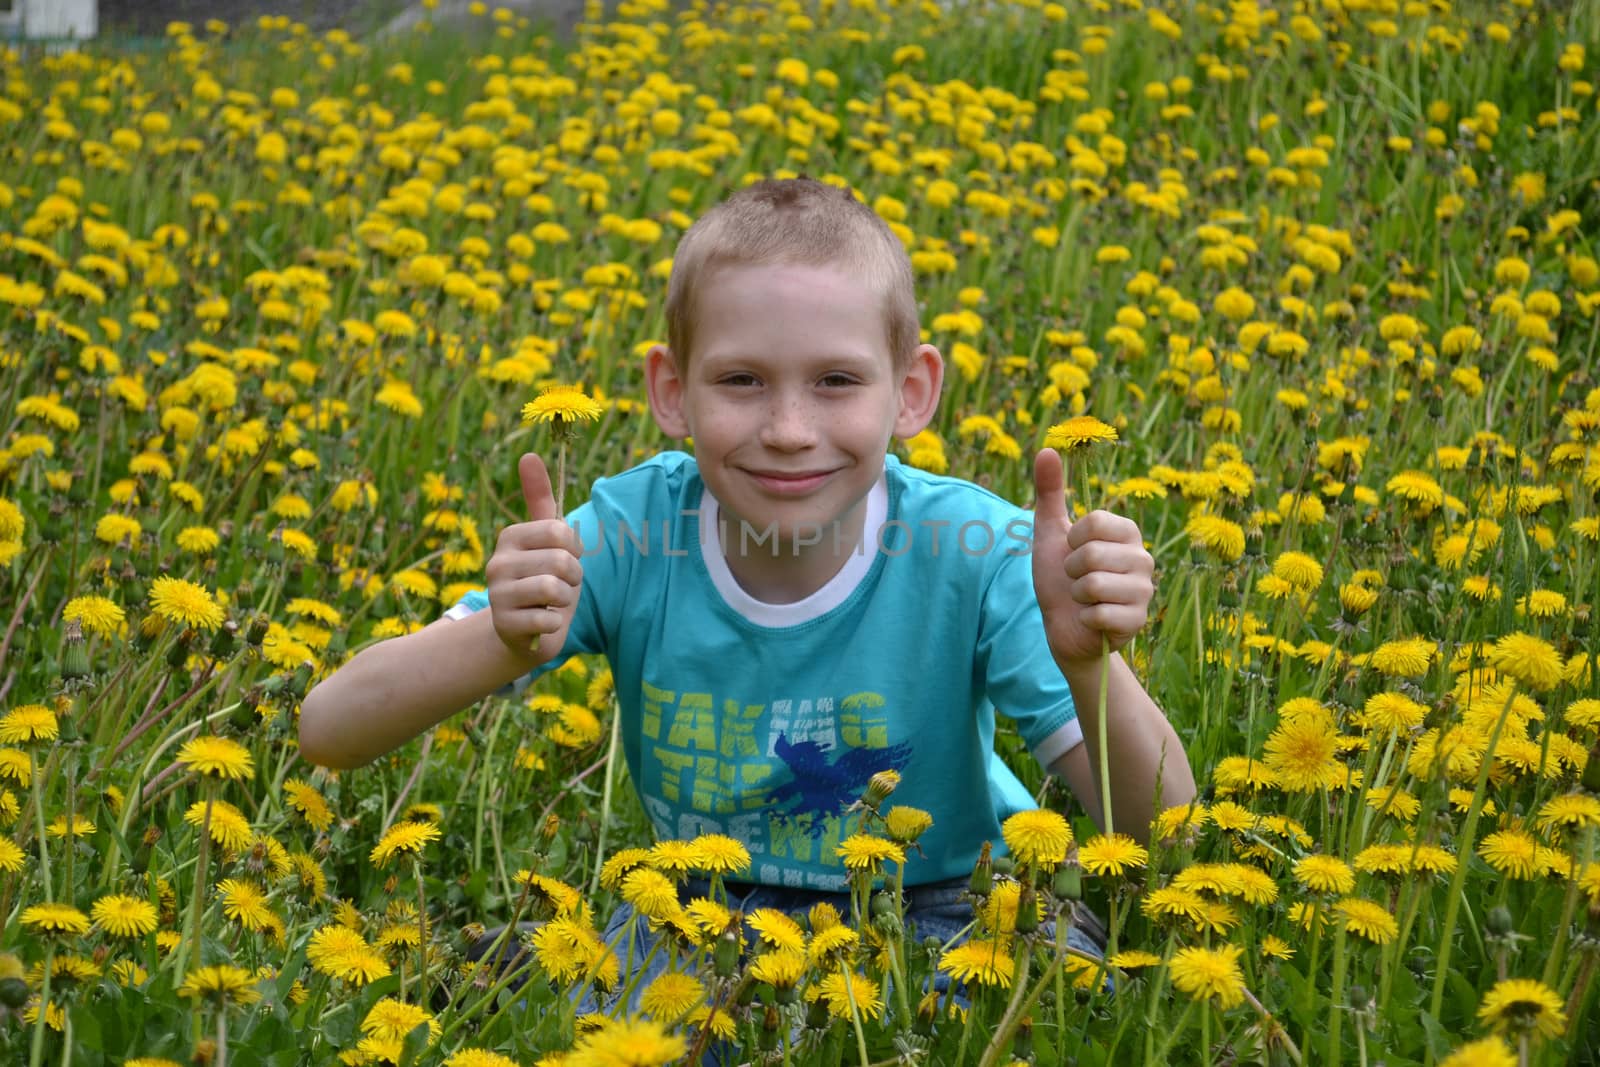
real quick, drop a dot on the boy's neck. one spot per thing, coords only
(787, 574)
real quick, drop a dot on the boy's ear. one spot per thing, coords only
(665, 388)
(919, 392)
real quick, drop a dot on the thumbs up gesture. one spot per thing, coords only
(1092, 577)
(536, 572)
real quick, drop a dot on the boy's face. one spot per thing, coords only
(791, 396)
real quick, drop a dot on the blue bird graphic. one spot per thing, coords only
(824, 786)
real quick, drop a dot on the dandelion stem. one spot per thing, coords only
(1336, 999)
(38, 812)
(855, 1015)
(422, 930)
(36, 1056)
(1464, 845)
(605, 798)
(1100, 731)
(196, 909)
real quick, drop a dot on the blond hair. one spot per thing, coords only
(794, 221)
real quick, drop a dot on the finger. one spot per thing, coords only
(1103, 588)
(536, 620)
(1049, 489)
(1116, 620)
(541, 591)
(544, 534)
(1106, 556)
(536, 491)
(1104, 526)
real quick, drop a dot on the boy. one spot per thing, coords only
(789, 610)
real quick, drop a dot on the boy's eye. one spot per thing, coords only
(837, 381)
(737, 379)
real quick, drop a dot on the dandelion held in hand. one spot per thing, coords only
(561, 407)
(1077, 435)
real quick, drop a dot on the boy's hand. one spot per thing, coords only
(1091, 577)
(536, 572)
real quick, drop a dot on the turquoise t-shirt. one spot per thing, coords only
(765, 721)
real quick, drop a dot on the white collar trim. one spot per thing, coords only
(824, 600)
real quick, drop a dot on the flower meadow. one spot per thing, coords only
(279, 311)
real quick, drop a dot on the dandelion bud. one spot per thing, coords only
(74, 653)
(275, 546)
(817, 1015)
(222, 640)
(982, 875)
(257, 632)
(205, 1051)
(1022, 1044)
(726, 955)
(178, 654)
(1068, 884)
(768, 1038)
(300, 682)
(1003, 865)
(1591, 770)
(927, 1012)
(879, 786)
(1027, 911)
(1499, 922)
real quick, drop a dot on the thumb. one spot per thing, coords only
(1049, 489)
(536, 491)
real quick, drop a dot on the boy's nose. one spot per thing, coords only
(788, 426)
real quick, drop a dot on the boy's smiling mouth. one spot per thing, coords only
(789, 482)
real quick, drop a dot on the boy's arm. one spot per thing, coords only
(1093, 581)
(394, 690)
(1144, 751)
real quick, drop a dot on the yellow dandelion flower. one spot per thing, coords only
(1523, 1004)
(403, 837)
(983, 962)
(124, 916)
(1038, 837)
(217, 757)
(1512, 852)
(781, 968)
(1111, 855)
(1079, 432)
(96, 614)
(562, 405)
(630, 1042)
(222, 984)
(1209, 973)
(848, 993)
(1405, 658)
(28, 723)
(52, 918)
(1530, 660)
(184, 602)
(864, 852)
(1368, 919)
(229, 827)
(671, 995)
(777, 929)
